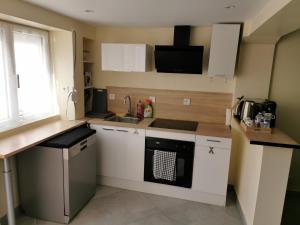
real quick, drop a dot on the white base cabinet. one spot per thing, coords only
(211, 164)
(120, 163)
(120, 152)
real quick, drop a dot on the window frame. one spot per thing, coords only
(15, 120)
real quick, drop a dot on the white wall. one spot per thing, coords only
(61, 44)
(286, 92)
(252, 80)
(254, 70)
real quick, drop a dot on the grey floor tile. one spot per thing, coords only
(103, 191)
(113, 206)
(155, 219)
(24, 220)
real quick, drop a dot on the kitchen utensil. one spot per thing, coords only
(247, 111)
(238, 107)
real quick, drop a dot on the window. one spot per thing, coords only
(4, 113)
(26, 84)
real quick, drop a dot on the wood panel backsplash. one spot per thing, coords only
(205, 106)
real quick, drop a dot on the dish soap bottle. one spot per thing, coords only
(148, 111)
(140, 110)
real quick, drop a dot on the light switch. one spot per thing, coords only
(112, 96)
(186, 101)
(152, 98)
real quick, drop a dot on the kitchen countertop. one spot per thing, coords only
(214, 130)
(205, 129)
(277, 138)
(141, 125)
(20, 141)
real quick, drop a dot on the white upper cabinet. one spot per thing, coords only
(112, 57)
(223, 50)
(124, 57)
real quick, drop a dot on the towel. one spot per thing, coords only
(164, 165)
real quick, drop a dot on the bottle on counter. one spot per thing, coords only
(140, 110)
(148, 111)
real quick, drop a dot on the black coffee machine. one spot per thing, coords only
(270, 107)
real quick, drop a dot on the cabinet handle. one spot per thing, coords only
(211, 150)
(82, 148)
(136, 131)
(210, 140)
(83, 142)
(108, 129)
(18, 80)
(123, 131)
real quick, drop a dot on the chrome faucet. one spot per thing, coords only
(129, 113)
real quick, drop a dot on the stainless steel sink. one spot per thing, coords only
(125, 119)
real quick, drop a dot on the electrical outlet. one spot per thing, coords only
(112, 96)
(152, 98)
(186, 101)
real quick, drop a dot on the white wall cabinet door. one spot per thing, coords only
(223, 50)
(112, 57)
(140, 57)
(124, 57)
(211, 165)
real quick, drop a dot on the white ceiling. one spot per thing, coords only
(155, 12)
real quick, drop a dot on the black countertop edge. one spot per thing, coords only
(274, 144)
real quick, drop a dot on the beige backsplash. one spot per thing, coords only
(205, 106)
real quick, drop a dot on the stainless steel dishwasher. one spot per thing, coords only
(58, 177)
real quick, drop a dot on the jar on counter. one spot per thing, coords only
(267, 119)
(259, 120)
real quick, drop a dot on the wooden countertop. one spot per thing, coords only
(214, 130)
(13, 144)
(205, 129)
(141, 125)
(277, 138)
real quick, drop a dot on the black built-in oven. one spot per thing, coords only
(184, 160)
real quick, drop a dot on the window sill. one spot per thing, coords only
(23, 125)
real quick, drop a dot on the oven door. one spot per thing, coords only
(184, 161)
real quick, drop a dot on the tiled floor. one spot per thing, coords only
(112, 206)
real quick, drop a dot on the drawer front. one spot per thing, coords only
(118, 129)
(214, 141)
(170, 135)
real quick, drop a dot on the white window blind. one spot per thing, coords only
(26, 83)
(4, 109)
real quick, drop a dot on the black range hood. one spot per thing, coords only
(181, 57)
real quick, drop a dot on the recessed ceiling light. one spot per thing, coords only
(88, 11)
(230, 6)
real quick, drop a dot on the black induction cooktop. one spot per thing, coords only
(175, 124)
